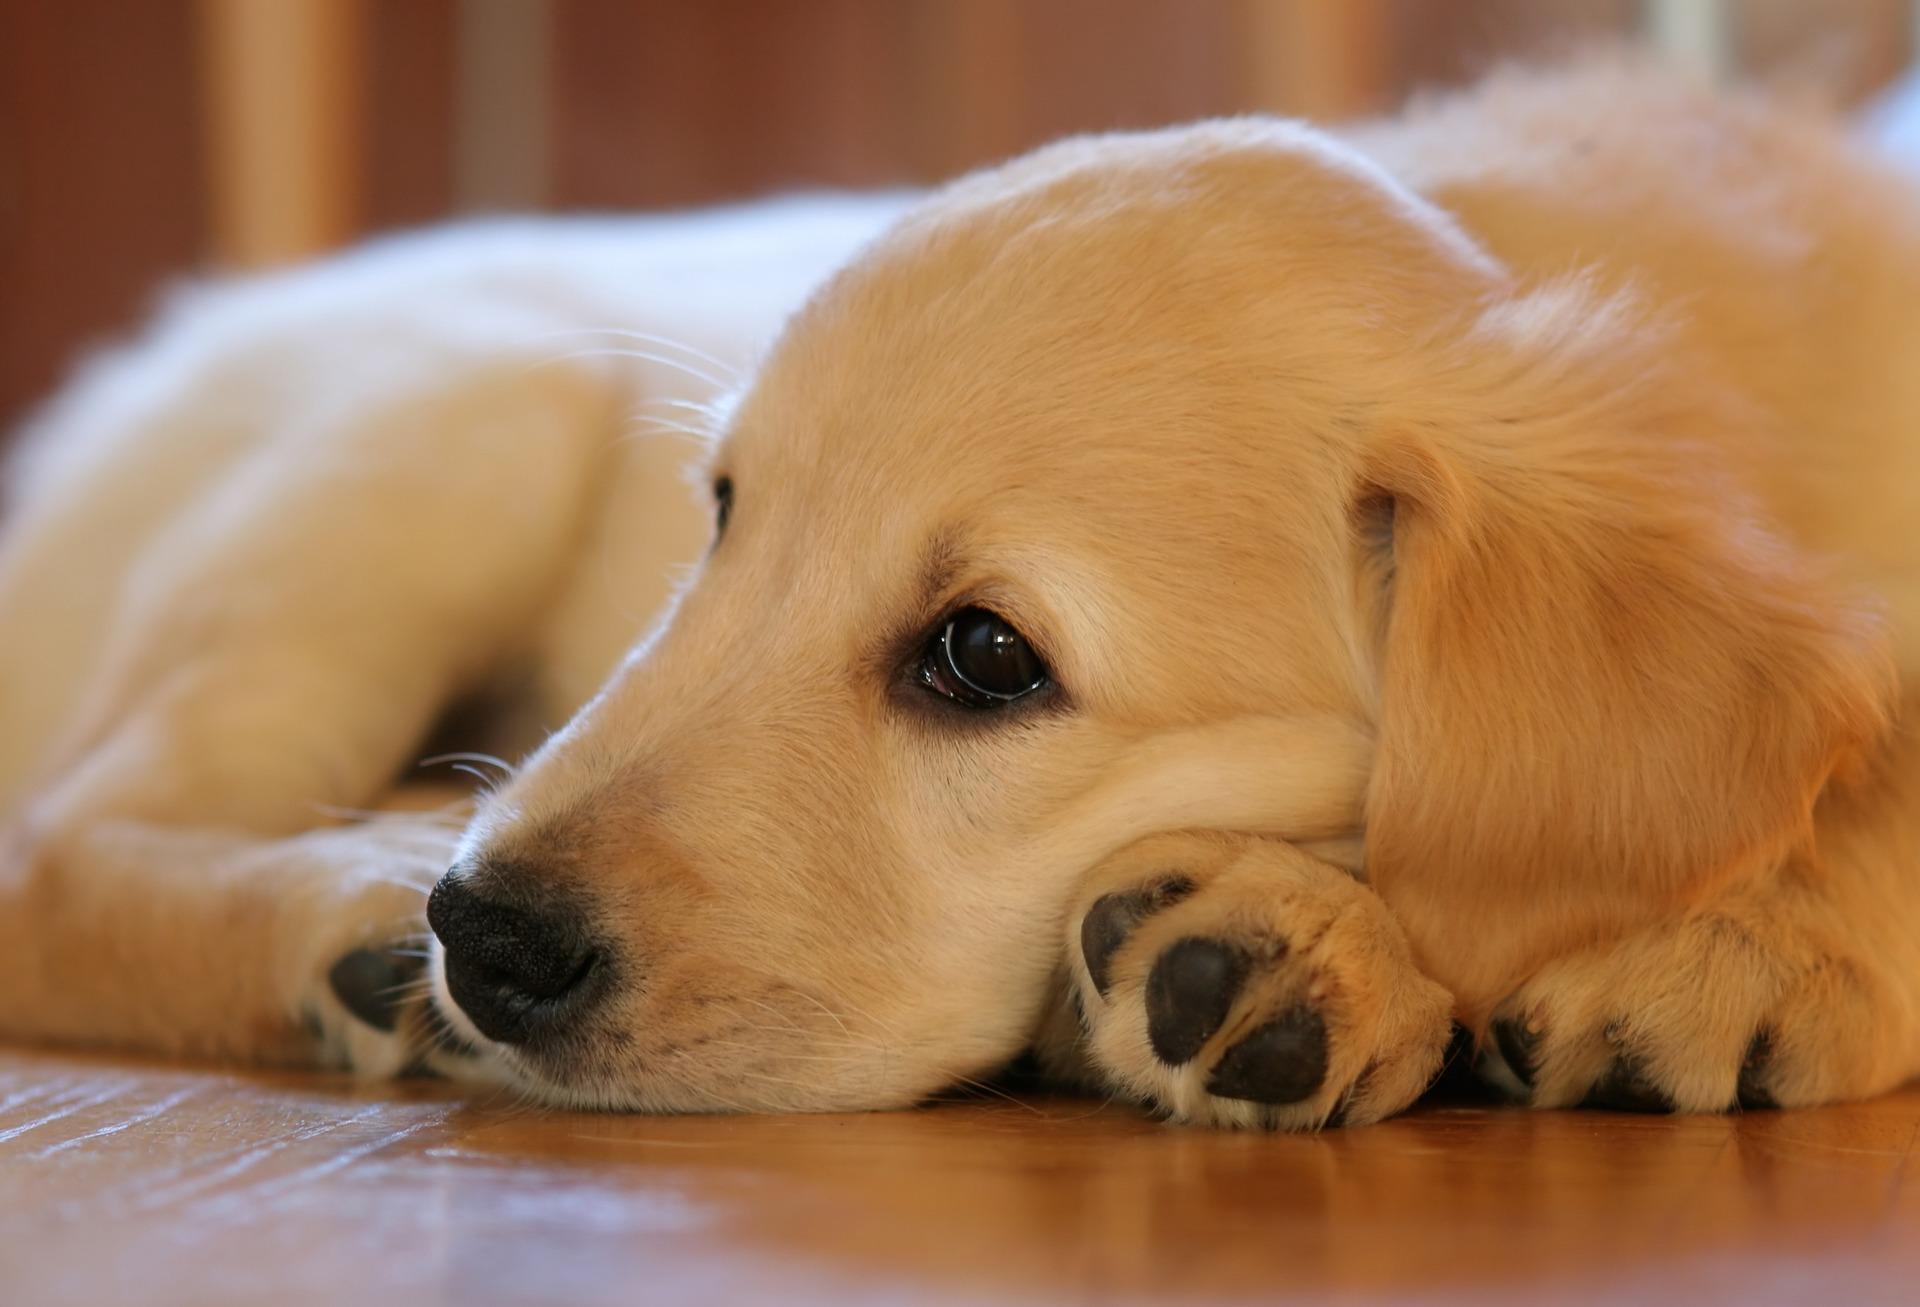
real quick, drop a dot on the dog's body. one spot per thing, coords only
(1514, 504)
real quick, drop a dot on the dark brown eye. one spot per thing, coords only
(978, 660)
(722, 505)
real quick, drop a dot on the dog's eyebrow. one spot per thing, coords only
(940, 565)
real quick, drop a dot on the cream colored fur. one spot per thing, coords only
(1475, 552)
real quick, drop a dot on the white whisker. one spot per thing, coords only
(656, 426)
(487, 759)
(416, 887)
(644, 356)
(707, 409)
(644, 338)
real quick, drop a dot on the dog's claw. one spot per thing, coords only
(1752, 1093)
(1519, 1046)
(1627, 1087)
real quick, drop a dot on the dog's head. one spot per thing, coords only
(1205, 479)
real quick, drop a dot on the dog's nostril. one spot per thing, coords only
(514, 972)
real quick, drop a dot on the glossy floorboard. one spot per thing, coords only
(131, 1183)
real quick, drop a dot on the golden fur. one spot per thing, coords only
(1475, 554)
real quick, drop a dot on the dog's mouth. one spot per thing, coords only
(446, 1039)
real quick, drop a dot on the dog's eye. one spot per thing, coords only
(980, 661)
(722, 505)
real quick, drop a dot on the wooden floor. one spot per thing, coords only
(128, 1183)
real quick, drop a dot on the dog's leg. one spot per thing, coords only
(1798, 989)
(301, 950)
(1239, 981)
(285, 648)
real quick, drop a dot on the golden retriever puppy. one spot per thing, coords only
(1217, 606)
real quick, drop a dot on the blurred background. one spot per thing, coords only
(144, 139)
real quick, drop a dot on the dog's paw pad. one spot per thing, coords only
(1281, 1062)
(1189, 992)
(377, 984)
(376, 1017)
(1110, 922)
(1256, 987)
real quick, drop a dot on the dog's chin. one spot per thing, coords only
(566, 1077)
(463, 1053)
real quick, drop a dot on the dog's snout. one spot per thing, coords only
(516, 972)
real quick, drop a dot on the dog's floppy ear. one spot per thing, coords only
(1604, 684)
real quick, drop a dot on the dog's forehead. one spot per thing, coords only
(1109, 296)
(1106, 362)
(919, 377)
(989, 483)
(1110, 534)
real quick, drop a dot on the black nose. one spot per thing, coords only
(516, 972)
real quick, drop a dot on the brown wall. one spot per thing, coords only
(648, 103)
(99, 169)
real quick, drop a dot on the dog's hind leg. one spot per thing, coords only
(284, 646)
(91, 480)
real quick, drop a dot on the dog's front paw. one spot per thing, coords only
(1238, 981)
(354, 948)
(362, 988)
(1732, 1008)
